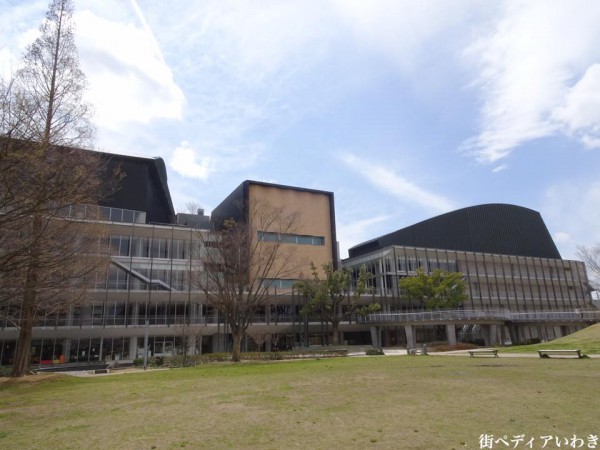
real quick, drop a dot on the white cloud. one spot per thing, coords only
(402, 30)
(356, 231)
(499, 168)
(129, 79)
(580, 112)
(392, 184)
(185, 162)
(19, 27)
(526, 66)
(203, 158)
(572, 209)
(561, 237)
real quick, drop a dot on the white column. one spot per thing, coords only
(133, 347)
(410, 336)
(451, 333)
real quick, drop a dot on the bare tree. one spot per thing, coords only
(239, 267)
(332, 298)
(191, 337)
(591, 257)
(49, 250)
(260, 336)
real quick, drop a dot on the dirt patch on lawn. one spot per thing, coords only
(35, 378)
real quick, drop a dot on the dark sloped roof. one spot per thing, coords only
(143, 187)
(491, 228)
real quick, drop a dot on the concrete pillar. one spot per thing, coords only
(66, 349)
(100, 349)
(489, 335)
(410, 336)
(375, 342)
(502, 335)
(515, 338)
(493, 335)
(451, 333)
(133, 347)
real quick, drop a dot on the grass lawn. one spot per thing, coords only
(587, 340)
(423, 402)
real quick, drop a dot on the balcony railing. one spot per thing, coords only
(437, 316)
(482, 315)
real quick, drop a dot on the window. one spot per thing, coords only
(265, 236)
(140, 247)
(179, 249)
(160, 248)
(119, 245)
(117, 279)
(278, 283)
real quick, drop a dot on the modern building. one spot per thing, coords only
(310, 217)
(149, 288)
(505, 252)
(515, 276)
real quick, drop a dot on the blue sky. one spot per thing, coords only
(404, 109)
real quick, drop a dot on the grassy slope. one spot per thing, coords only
(376, 402)
(587, 340)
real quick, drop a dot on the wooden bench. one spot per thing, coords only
(547, 353)
(416, 351)
(484, 352)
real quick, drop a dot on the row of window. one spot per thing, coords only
(177, 279)
(144, 247)
(266, 236)
(474, 267)
(411, 265)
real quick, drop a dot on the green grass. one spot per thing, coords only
(420, 402)
(587, 340)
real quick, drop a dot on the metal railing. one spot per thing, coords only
(482, 315)
(440, 316)
(549, 316)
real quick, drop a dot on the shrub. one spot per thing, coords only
(374, 352)
(153, 361)
(195, 360)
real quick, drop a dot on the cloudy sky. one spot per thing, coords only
(404, 109)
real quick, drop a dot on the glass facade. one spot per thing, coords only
(493, 281)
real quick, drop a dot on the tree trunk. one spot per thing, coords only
(335, 334)
(236, 348)
(23, 350)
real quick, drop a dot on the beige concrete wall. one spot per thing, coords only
(312, 211)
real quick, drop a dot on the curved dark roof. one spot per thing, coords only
(143, 187)
(491, 228)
